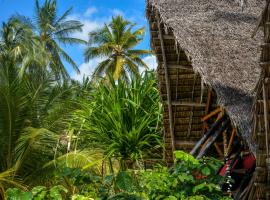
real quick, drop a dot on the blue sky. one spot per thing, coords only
(93, 14)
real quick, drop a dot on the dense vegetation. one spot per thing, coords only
(64, 139)
(189, 179)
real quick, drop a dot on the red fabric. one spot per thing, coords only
(224, 168)
(249, 161)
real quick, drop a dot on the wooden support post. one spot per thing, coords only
(231, 140)
(209, 101)
(266, 128)
(266, 120)
(192, 108)
(168, 89)
(225, 142)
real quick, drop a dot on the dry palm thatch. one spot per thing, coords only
(217, 37)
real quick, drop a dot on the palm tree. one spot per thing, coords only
(54, 31)
(30, 124)
(115, 44)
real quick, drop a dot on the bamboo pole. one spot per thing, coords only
(220, 153)
(192, 108)
(209, 101)
(266, 120)
(231, 140)
(225, 142)
(167, 85)
(266, 127)
(213, 139)
(213, 113)
(208, 134)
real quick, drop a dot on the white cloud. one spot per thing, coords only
(86, 69)
(116, 12)
(90, 11)
(88, 26)
(150, 61)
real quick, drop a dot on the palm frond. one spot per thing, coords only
(97, 52)
(69, 40)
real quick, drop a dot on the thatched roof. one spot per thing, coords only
(216, 36)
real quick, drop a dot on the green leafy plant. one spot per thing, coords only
(189, 178)
(37, 193)
(124, 119)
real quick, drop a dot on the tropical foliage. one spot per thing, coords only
(188, 179)
(50, 31)
(64, 139)
(115, 44)
(124, 119)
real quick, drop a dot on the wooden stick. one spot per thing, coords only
(245, 192)
(215, 144)
(190, 104)
(204, 144)
(208, 134)
(213, 139)
(225, 143)
(231, 140)
(209, 101)
(168, 88)
(265, 109)
(220, 153)
(251, 194)
(192, 108)
(215, 112)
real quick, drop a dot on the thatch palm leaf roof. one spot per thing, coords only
(217, 36)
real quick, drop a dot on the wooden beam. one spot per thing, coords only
(168, 88)
(265, 45)
(188, 67)
(265, 64)
(168, 54)
(209, 101)
(188, 104)
(213, 138)
(192, 107)
(225, 142)
(220, 153)
(165, 37)
(213, 113)
(231, 140)
(266, 119)
(208, 134)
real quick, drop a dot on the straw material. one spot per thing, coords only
(216, 36)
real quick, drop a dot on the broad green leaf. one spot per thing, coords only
(170, 198)
(206, 171)
(124, 181)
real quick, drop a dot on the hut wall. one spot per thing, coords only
(182, 92)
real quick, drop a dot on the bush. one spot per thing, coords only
(188, 179)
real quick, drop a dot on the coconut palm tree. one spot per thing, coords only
(30, 123)
(115, 44)
(54, 31)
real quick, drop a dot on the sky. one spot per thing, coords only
(93, 14)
